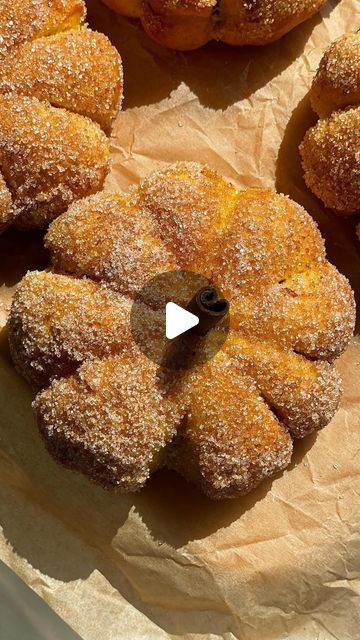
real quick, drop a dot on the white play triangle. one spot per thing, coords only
(178, 320)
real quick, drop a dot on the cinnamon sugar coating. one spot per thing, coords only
(337, 81)
(226, 424)
(48, 159)
(53, 72)
(330, 150)
(331, 161)
(289, 312)
(22, 20)
(229, 438)
(109, 238)
(77, 70)
(188, 24)
(96, 324)
(111, 420)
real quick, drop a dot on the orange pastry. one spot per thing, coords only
(104, 409)
(60, 89)
(337, 82)
(188, 24)
(330, 150)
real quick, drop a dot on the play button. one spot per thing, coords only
(178, 320)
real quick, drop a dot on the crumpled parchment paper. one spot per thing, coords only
(282, 563)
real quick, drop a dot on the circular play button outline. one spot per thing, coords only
(179, 319)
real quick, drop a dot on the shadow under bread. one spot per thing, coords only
(219, 74)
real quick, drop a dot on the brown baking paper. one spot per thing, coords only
(282, 563)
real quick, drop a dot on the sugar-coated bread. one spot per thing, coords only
(113, 418)
(86, 242)
(60, 84)
(229, 438)
(331, 161)
(226, 425)
(22, 20)
(77, 70)
(330, 150)
(96, 324)
(337, 82)
(188, 24)
(49, 157)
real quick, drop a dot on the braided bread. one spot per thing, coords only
(188, 24)
(106, 410)
(60, 89)
(330, 150)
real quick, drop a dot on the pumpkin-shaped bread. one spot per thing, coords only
(104, 409)
(188, 24)
(60, 89)
(330, 150)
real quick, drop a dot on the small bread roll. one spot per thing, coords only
(331, 161)
(188, 24)
(49, 157)
(337, 81)
(77, 70)
(60, 83)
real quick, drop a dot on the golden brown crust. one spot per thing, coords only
(263, 21)
(97, 237)
(54, 66)
(289, 312)
(188, 24)
(77, 70)
(330, 150)
(57, 322)
(111, 420)
(287, 241)
(49, 157)
(21, 21)
(337, 82)
(331, 162)
(234, 417)
(190, 204)
(176, 29)
(229, 440)
(303, 393)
